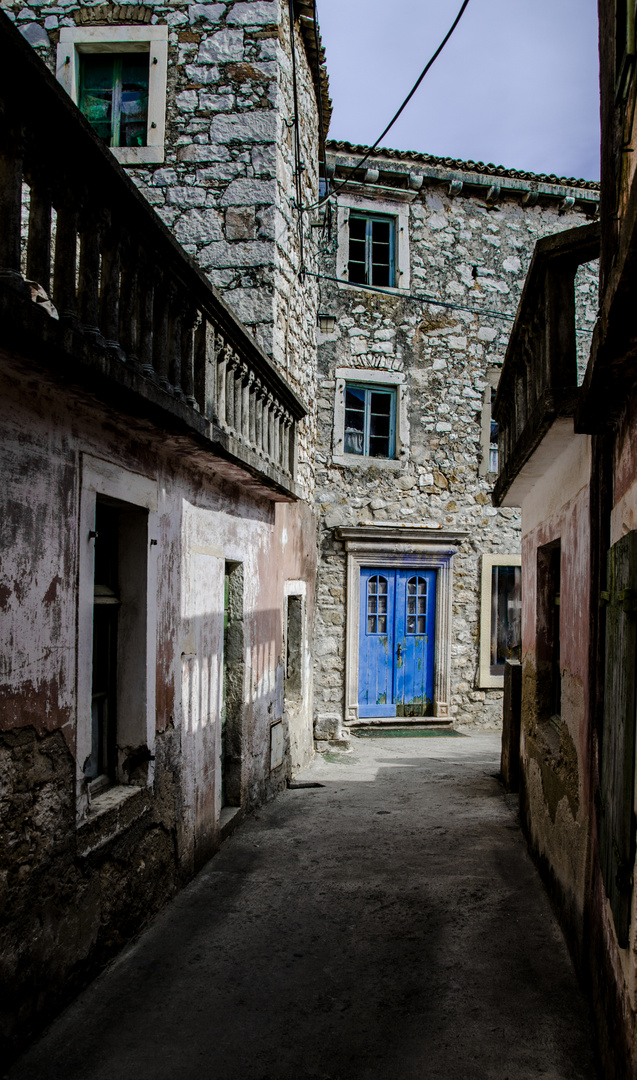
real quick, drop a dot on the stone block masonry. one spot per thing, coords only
(461, 251)
(227, 185)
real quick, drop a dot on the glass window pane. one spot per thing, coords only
(382, 585)
(380, 276)
(356, 273)
(371, 607)
(411, 586)
(371, 624)
(382, 624)
(380, 232)
(411, 624)
(422, 586)
(354, 397)
(96, 92)
(506, 609)
(380, 404)
(411, 605)
(421, 624)
(382, 604)
(134, 107)
(357, 227)
(379, 446)
(371, 585)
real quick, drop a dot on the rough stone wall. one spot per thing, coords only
(445, 354)
(227, 185)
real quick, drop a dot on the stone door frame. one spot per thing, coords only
(400, 548)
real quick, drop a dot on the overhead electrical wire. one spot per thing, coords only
(391, 123)
(424, 299)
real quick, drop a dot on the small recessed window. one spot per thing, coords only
(372, 242)
(370, 421)
(493, 438)
(506, 612)
(114, 96)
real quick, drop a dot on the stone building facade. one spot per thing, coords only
(462, 238)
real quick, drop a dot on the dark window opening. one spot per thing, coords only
(370, 421)
(232, 710)
(493, 438)
(294, 649)
(114, 96)
(549, 677)
(372, 242)
(101, 767)
(506, 614)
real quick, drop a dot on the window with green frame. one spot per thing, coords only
(372, 247)
(114, 96)
(370, 421)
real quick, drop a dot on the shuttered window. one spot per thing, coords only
(616, 796)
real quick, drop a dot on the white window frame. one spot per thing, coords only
(386, 208)
(99, 477)
(394, 380)
(117, 39)
(487, 680)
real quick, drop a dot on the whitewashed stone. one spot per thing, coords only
(216, 102)
(206, 12)
(202, 73)
(187, 101)
(186, 196)
(198, 227)
(250, 253)
(248, 127)
(255, 13)
(220, 47)
(249, 193)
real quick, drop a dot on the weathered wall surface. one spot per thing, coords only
(464, 252)
(72, 894)
(556, 798)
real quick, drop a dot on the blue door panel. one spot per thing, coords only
(396, 643)
(415, 612)
(375, 664)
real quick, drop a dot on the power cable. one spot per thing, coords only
(430, 300)
(391, 123)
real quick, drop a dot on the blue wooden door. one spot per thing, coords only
(396, 643)
(415, 608)
(376, 652)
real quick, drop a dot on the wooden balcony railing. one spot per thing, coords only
(122, 303)
(539, 376)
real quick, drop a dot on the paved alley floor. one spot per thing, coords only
(388, 924)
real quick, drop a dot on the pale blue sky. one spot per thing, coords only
(517, 84)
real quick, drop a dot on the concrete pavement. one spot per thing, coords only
(388, 924)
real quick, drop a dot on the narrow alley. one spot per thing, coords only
(381, 918)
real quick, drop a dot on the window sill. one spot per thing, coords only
(357, 461)
(111, 813)
(392, 290)
(138, 155)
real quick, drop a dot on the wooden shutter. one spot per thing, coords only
(617, 819)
